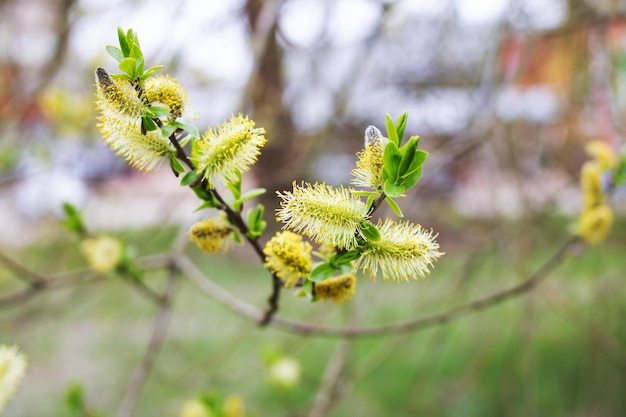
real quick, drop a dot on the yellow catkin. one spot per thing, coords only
(328, 215)
(234, 406)
(288, 256)
(595, 224)
(369, 167)
(166, 90)
(229, 150)
(591, 184)
(338, 289)
(405, 251)
(12, 369)
(103, 253)
(602, 153)
(211, 235)
(195, 408)
(121, 109)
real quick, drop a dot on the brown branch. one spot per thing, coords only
(51, 283)
(214, 291)
(333, 378)
(273, 301)
(376, 204)
(33, 278)
(43, 283)
(142, 372)
(180, 152)
(145, 290)
(19, 297)
(246, 310)
(236, 220)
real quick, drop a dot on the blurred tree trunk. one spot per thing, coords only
(278, 164)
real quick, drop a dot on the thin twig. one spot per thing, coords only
(50, 283)
(333, 378)
(236, 220)
(376, 204)
(19, 297)
(142, 372)
(246, 310)
(41, 283)
(217, 293)
(33, 278)
(145, 290)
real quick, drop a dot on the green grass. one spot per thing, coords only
(560, 351)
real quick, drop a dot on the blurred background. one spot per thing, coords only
(503, 93)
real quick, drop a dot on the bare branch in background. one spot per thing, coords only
(246, 310)
(333, 382)
(142, 372)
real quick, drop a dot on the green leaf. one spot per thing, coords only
(392, 133)
(167, 131)
(115, 52)
(417, 138)
(260, 210)
(237, 236)
(185, 140)
(252, 218)
(150, 71)
(321, 272)
(128, 66)
(121, 77)
(133, 44)
(369, 232)
(418, 160)
(123, 44)
(345, 257)
(75, 398)
(175, 164)
(234, 185)
(306, 290)
(394, 206)
(400, 125)
(393, 190)
(249, 195)
(148, 124)
(391, 158)
(411, 178)
(74, 220)
(364, 193)
(408, 152)
(256, 224)
(191, 129)
(159, 111)
(139, 66)
(135, 50)
(205, 205)
(619, 177)
(189, 178)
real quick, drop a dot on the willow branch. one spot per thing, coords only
(144, 290)
(215, 292)
(46, 283)
(246, 310)
(333, 378)
(236, 220)
(33, 278)
(142, 372)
